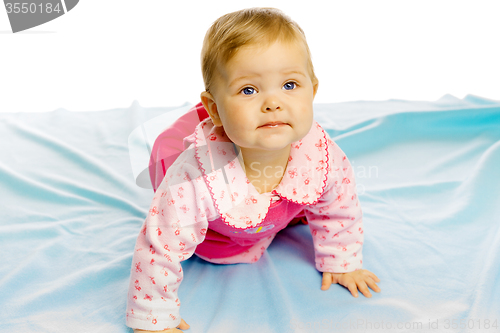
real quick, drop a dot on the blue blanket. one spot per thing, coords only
(428, 177)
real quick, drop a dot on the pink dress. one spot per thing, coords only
(206, 205)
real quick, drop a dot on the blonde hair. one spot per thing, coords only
(248, 27)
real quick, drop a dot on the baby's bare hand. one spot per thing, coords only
(183, 326)
(360, 279)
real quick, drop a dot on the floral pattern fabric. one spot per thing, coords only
(207, 188)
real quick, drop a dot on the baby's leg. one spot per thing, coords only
(251, 255)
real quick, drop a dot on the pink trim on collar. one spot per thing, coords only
(306, 173)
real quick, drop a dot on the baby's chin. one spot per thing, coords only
(263, 146)
(270, 146)
(271, 142)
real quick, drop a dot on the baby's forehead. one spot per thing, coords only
(256, 49)
(261, 46)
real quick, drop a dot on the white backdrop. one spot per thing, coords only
(107, 53)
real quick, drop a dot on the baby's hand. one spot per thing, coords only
(360, 279)
(183, 326)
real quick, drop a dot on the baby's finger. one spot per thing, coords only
(364, 288)
(372, 285)
(353, 288)
(373, 276)
(327, 281)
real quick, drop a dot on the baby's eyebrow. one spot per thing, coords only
(250, 76)
(240, 78)
(285, 72)
(294, 72)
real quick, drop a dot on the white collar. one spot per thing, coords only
(238, 202)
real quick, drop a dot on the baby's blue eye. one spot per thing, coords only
(248, 91)
(289, 86)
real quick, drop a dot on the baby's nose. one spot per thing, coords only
(272, 105)
(273, 108)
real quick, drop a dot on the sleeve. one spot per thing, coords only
(336, 221)
(176, 223)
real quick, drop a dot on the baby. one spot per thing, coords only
(255, 164)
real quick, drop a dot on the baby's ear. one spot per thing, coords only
(211, 106)
(315, 88)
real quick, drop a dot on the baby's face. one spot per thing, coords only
(264, 96)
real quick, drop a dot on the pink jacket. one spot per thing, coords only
(206, 204)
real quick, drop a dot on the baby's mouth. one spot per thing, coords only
(274, 124)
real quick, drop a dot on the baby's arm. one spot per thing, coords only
(173, 228)
(336, 224)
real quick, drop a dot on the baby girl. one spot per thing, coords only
(255, 164)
